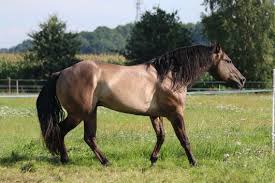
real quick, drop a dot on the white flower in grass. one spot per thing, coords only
(225, 157)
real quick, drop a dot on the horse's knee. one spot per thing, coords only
(90, 141)
(87, 139)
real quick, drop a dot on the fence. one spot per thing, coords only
(33, 86)
(20, 86)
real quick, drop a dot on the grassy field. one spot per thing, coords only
(230, 136)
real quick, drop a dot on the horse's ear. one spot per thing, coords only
(216, 48)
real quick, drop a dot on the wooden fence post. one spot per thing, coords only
(9, 81)
(17, 87)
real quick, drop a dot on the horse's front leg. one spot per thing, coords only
(157, 123)
(90, 137)
(179, 128)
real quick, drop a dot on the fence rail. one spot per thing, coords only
(33, 86)
(20, 86)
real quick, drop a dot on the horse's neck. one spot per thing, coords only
(202, 70)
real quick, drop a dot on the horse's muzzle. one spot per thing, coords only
(242, 82)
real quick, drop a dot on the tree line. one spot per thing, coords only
(101, 40)
(104, 40)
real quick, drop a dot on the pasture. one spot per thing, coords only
(230, 136)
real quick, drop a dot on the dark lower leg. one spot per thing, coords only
(90, 137)
(157, 123)
(65, 126)
(179, 127)
(91, 141)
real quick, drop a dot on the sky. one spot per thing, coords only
(20, 17)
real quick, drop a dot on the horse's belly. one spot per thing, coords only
(120, 107)
(131, 99)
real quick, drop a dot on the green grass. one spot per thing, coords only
(230, 136)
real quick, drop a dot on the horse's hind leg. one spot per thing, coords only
(65, 126)
(179, 128)
(90, 136)
(157, 123)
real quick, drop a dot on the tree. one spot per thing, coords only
(52, 48)
(156, 33)
(245, 29)
(197, 33)
(104, 39)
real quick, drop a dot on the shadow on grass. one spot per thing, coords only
(12, 159)
(83, 156)
(31, 151)
(15, 157)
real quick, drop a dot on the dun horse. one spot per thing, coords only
(156, 89)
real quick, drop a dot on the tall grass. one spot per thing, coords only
(11, 57)
(14, 65)
(108, 58)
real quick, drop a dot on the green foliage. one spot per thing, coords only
(245, 30)
(13, 66)
(22, 47)
(104, 39)
(156, 33)
(197, 33)
(52, 48)
(19, 66)
(101, 40)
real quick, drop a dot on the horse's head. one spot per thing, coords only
(223, 68)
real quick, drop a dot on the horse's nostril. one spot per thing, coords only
(243, 80)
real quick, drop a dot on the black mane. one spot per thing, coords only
(186, 64)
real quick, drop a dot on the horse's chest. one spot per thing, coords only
(167, 101)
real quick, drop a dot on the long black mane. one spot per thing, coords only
(186, 64)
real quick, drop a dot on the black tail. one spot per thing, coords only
(50, 113)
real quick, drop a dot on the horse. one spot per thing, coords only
(156, 88)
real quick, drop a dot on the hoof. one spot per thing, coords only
(153, 160)
(105, 163)
(194, 163)
(64, 160)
